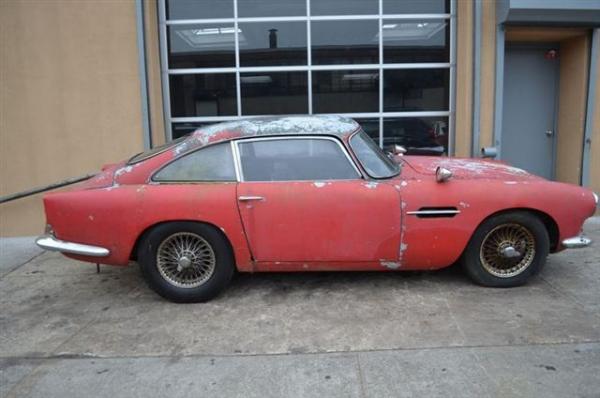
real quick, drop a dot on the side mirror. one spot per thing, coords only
(398, 150)
(442, 174)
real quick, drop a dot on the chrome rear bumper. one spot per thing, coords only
(576, 242)
(49, 242)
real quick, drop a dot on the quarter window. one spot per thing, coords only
(374, 161)
(213, 163)
(295, 159)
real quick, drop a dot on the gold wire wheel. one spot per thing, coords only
(185, 260)
(507, 250)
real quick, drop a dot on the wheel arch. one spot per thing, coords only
(134, 249)
(549, 222)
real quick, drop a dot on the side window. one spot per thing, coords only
(295, 159)
(213, 163)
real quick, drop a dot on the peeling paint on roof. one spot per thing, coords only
(267, 126)
(123, 170)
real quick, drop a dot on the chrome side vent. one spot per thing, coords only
(435, 212)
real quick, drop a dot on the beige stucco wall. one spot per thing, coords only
(488, 73)
(157, 126)
(69, 96)
(464, 79)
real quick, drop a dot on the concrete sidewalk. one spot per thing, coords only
(67, 331)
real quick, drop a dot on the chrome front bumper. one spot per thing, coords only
(49, 242)
(576, 242)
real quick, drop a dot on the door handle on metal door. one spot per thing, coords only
(549, 133)
(249, 198)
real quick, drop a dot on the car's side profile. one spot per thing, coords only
(310, 194)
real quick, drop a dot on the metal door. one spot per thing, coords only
(529, 109)
(321, 221)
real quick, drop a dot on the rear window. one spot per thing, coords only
(155, 151)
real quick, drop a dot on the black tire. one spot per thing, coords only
(222, 268)
(529, 227)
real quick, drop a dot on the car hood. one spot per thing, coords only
(467, 168)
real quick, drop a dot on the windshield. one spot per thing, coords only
(155, 151)
(374, 161)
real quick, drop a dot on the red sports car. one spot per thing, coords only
(310, 193)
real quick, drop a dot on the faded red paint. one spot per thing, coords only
(316, 225)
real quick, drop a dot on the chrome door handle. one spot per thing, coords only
(248, 198)
(549, 133)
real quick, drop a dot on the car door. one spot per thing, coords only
(302, 199)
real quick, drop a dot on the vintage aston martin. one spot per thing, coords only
(310, 194)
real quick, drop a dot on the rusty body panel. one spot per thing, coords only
(408, 222)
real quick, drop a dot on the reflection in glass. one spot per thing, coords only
(203, 95)
(202, 46)
(344, 7)
(420, 136)
(272, 43)
(199, 9)
(345, 42)
(271, 8)
(297, 159)
(345, 91)
(213, 163)
(415, 41)
(274, 93)
(406, 90)
(416, 6)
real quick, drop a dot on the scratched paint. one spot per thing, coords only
(123, 170)
(469, 168)
(390, 264)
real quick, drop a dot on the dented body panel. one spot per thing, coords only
(408, 222)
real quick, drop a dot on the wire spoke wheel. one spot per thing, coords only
(507, 250)
(185, 260)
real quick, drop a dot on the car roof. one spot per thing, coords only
(268, 126)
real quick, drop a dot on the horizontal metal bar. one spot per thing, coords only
(303, 68)
(576, 242)
(305, 18)
(49, 187)
(249, 198)
(195, 71)
(49, 242)
(352, 115)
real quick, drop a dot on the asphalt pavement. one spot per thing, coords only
(66, 331)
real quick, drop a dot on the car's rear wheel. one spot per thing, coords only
(506, 250)
(186, 261)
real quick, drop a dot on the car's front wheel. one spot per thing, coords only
(186, 261)
(506, 250)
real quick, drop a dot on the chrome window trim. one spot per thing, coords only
(344, 150)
